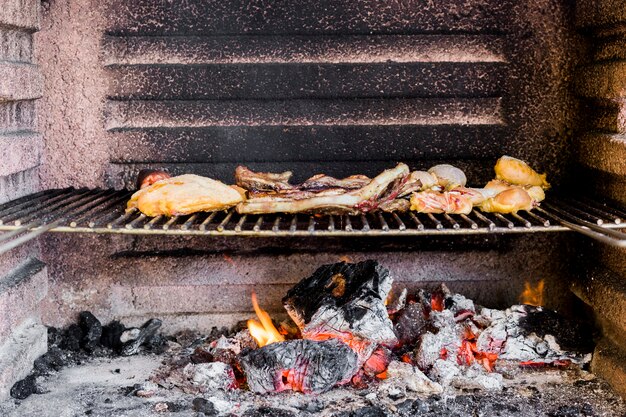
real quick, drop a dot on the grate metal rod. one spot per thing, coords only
(585, 215)
(433, 219)
(524, 221)
(450, 220)
(504, 220)
(618, 215)
(136, 221)
(311, 226)
(471, 222)
(23, 215)
(365, 223)
(491, 225)
(276, 225)
(294, 224)
(418, 223)
(401, 225)
(101, 211)
(383, 223)
(50, 196)
(190, 222)
(207, 221)
(348, 224)
(544, 222)
(331, 223)
(258, 224)
(222, 225)
(152, 222)
(240, 223)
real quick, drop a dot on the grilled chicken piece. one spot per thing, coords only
(184, 194)
(360, 200)
(515, 171)
(509, 201)
(448, 176)
(395, 205)
(262, 181)
(452, 202)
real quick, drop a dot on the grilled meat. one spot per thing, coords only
(184, 194)
(430, 201)
(515, 171)
(364, 199)
(448, 176)
(262, 181)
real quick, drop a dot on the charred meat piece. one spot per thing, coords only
(324, 182)
(262, 181)
(364, 199)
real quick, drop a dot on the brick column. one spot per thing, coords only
(23, 277)
(602, 154)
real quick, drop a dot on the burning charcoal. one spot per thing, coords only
(24, 388)
(147, 331)
(344, 301)
(204, 406)
(377, 363)
(401, 375)
(211, 376)
(111, 335)
(445, 343)
(299, 365)
(92, 330)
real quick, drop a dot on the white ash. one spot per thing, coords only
(129, 335)
(402, 377)
(211, 376)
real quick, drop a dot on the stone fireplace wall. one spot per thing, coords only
(23, 277)
(602, 154)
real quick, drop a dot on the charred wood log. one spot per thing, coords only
(344, 301)
(299, 365)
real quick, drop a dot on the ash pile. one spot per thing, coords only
(346, 333)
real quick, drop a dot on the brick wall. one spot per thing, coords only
(23, 277)
(602, 156)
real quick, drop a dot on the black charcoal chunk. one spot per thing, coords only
(111, 334)
(72, 338)
(204, 406)
(92, 330)
(369, 412)
(314, 366)
(571, 335)
(268, 412)
(147, 331)
(344, 298)
(24, 388)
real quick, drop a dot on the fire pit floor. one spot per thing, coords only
(118, 387)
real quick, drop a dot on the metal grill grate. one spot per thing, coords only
(102, 211)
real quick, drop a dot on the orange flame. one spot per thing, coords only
(263, 330)
(532, 295)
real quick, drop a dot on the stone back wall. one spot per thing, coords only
(340, 87)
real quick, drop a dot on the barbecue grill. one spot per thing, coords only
(103, 211)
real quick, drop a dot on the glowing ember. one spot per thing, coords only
(263, 330)
(533, 295)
